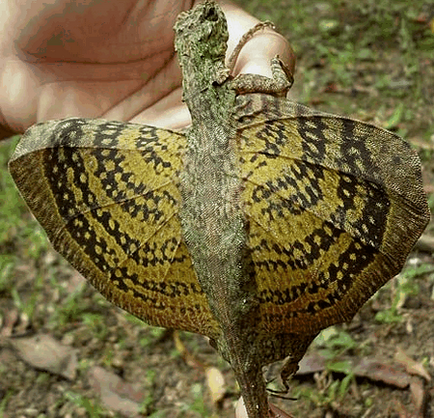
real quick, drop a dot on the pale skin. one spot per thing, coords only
(109, 59)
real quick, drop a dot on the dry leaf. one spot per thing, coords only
(189, 358)
(312, 363)
(179, 345)
(377, 370)
(279, 413)
(412, 366)
(367, 367)
(418, 395)
(10, 319)
(115, 393)
(216, 384)
(45, 353)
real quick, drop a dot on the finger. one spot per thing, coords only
(256, 55)
(240, 409)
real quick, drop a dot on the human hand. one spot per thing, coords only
(112, 59)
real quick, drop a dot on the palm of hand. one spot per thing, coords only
(99, 61)
(112, 60)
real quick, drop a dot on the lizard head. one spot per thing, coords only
(201, 34)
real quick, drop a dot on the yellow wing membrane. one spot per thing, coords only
(334, 206)
(107, 195)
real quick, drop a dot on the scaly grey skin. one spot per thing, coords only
(213, 223)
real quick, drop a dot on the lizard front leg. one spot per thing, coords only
(254, 83)
(282, 77)
(244, 39)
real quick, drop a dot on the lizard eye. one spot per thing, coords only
(211, 15)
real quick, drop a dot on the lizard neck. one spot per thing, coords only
(207, 90)
(212, 109)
